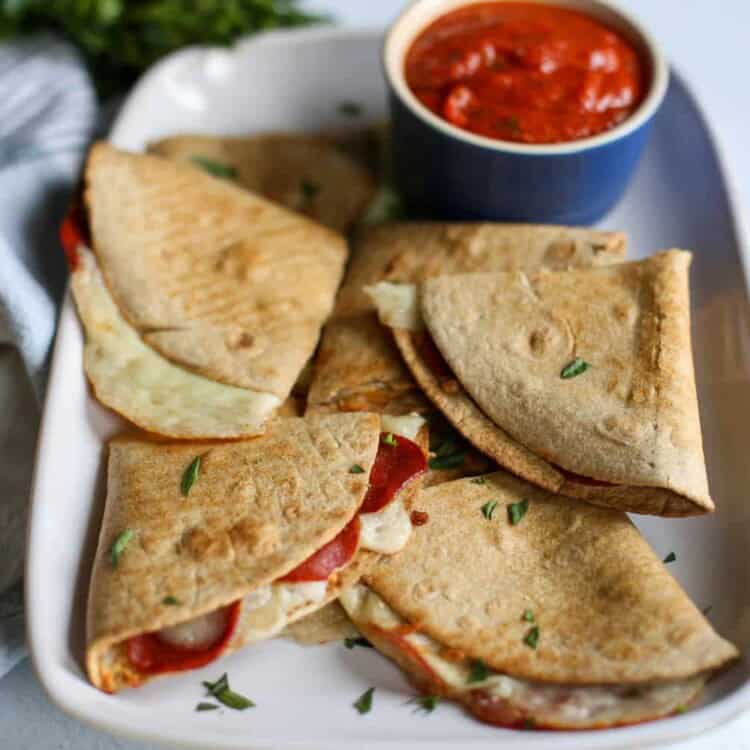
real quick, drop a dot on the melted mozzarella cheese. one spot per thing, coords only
(196, 634)
(407, 426)
(555, 703)
(386, 531)
(397, 305)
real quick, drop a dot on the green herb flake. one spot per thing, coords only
(222, 692)
(171, 601)
(389, 439)
(529, 724)
(425, 703)
(363, 704)
(356, 469)
(528, 616)
(351, 643)
(577, 367)
(309, 189)
(350, 108)
(190, 476)
(531, 639)
(511, 123)
(215, 168)
(118, 546)
(479, 672)
(452, 461)
(488, 509)
(516, 511)
(670, 558)
(681, 710)
(202, 706)
(479, 480)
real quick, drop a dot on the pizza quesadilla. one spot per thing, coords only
(579, 381)
(312, 175)
(206, 547)
(533, 611)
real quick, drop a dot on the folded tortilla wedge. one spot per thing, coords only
(220, 281)
(206, 547)
(313, 175)
(579, 381)
(557, 617)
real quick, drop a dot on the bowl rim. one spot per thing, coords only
(393, 58)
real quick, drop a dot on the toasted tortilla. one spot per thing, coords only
(256, 511)
(631, 420)
(224, 283)
(607, 610)
(357, 359)
(328, 624)
(312, 175)
(134, 380)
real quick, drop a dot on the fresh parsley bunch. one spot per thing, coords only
(119, 39)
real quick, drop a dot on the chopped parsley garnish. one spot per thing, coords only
(671, 557)
(222, 692)
(511, 122)
(356, 469)
(577, 367)
(529, 724)
(516, 511)
(351, 643)
(202, 706)
(488, 509)
(479, 672)
(170, 601)
(350, 109)
(215, 168)
(479, 480)
(309, 189)
(363, 704)
(448, 462)
(532, 637)
(390, 439)
(425, 703)
(118, 546)
(190, 476)
(681, 710)
(528, 615)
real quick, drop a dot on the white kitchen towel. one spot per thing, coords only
(48, 113)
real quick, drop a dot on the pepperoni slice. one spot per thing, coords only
(151, 655)
(395, 466)
(73, 233)
(337, 553)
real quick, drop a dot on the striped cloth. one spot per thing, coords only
(48, 113)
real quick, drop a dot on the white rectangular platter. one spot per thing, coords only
(296, 81)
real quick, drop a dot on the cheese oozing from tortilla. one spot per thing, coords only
(397, 305)
(554, 704)
(388, 530)
(137, 382)
(199, 633)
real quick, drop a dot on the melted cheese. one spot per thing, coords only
(386, 531)
(397, 305)
(149, 390)
(554, 703)
(407, 426)
(196, 634)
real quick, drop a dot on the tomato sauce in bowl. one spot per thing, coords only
(526, 72)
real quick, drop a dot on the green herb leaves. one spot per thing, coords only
(670, 558)
(118, 546)
(225, 695)
(479, 480)
(363, 704)
(452, 461)
(479, 672)
(215, 168)
(488, 509)
(577, 367)
(356, 469)
(531, 639)
(171, 601)
(425, 703)
(390, 439)
(309, 190)
(528, 616)
(516, 511)
(190, 476)
(351, 643)
(202, 706)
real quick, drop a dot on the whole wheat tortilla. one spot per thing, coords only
(215, 278)
(312, 175)
(607, 610)
(328, 624)
(630, 420)
(256, 511)
(134, 380)
(357, 358)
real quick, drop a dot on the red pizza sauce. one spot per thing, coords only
(525, 72)
(73, 233)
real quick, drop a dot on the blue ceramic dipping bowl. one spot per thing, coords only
(444, 172)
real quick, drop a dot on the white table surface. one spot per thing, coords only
(708, 43)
